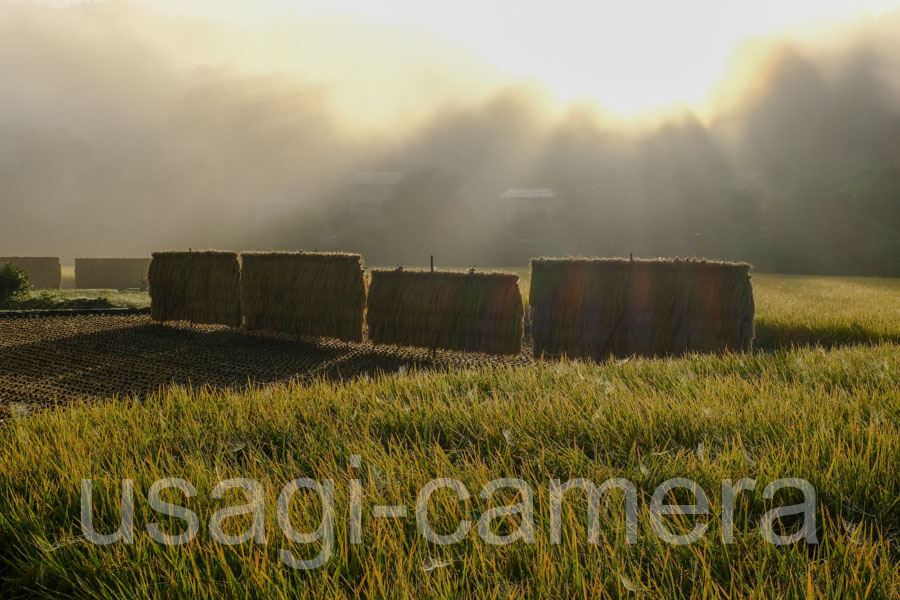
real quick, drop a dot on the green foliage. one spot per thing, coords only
(47, 300)
(75, 299)
(13, 282)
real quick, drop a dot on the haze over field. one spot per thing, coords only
(772, 137)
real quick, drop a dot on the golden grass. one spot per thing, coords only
(830, 417)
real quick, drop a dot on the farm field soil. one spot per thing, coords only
(58, 359)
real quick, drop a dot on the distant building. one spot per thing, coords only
(367, 191)
(524, 204)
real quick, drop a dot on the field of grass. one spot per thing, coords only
(828, 311)
(827, 412)
(64, 299)
(69, 297)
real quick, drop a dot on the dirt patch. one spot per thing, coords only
(58, 359)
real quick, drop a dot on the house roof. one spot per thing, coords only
(377, 177)
(529, 193)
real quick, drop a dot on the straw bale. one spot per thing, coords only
(111, 273)
(304, 293)
(618, 307)
(44, 273)
(478, 312)
(200, 287)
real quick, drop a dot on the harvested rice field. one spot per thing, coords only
(57, 359)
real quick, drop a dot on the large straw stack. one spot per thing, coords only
(314, 294)
(200, 287)
(44, 273)
(478, 312)
(618, 307)
(111, 273)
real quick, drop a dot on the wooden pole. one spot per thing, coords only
(433, 350)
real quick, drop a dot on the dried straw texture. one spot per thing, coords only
(476, 312)
(201, 287)
(315, 294)
(111, 273)
(44, 273)
(595, 308)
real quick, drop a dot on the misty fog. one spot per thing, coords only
(124, 130)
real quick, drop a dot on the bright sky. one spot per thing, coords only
(626, 54)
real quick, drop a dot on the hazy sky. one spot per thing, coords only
(128, 126)
(626, 55)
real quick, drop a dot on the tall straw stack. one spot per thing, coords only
(44, 272)
(304, 293)
(477, 312)
(111, 273)
(597, 308)
(201, 287)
